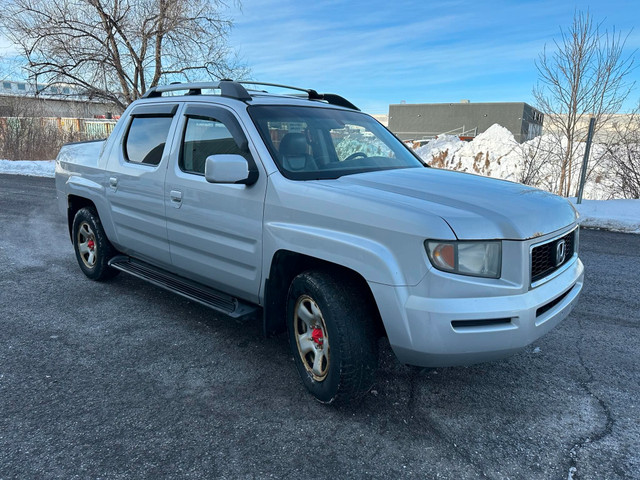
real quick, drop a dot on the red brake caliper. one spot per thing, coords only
(317, 336)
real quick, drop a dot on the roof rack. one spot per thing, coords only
(227, 88)
(231, 89)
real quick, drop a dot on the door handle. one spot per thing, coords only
(113, 182)
(176, 198)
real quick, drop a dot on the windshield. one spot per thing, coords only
(321, 143)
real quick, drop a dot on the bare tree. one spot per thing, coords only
(623, 153)
(535, 155)
(586, 74)
(117, 49)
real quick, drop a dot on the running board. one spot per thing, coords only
(209, 297)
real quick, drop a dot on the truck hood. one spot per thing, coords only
(475, 207)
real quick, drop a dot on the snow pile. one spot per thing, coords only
(442, 147)
(619, 215)
(39, 168)
(496, 139)
(492, 154)
(489, 154)
(496, 153)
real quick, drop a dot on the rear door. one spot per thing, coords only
(214, 230)
(135, 182)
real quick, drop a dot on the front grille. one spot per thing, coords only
(543, 257)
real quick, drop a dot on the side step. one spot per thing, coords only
(209, 297)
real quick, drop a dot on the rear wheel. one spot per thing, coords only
(93, 249)
(332, 337)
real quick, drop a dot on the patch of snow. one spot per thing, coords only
(622, 215)
(444, 143)
(38, 168)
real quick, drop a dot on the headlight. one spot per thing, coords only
(478, 259)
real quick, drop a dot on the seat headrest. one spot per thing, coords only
(293, 144)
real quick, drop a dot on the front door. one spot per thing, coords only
(214, 230)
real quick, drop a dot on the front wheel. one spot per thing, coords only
(92, 247)
(332, 336)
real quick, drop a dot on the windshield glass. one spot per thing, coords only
(321, 143)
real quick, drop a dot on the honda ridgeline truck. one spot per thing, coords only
(303, 210)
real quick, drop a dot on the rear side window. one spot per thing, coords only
(146, 139)
(204, 137)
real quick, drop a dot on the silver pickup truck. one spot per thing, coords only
(303, 210)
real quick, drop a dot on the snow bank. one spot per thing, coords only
(489, 154)
(619, 215)
(40, 168)
(496, 153)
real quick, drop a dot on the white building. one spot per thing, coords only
(24, 99)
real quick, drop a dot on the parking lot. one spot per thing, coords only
(124, 380)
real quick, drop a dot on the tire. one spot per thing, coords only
(332, 337)
(92, 247)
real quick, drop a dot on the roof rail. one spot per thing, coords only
(330, 98)
(235, 89)
(227, 88)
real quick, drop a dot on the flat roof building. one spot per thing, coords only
(423, 121)
(23, 99)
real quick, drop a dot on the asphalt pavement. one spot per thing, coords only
(124, 380)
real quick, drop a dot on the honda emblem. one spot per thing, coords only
(560, 252)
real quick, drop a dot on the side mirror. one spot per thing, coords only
(229, 168)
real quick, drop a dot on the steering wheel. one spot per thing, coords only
(355, 155)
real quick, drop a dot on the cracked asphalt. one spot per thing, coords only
(123, 380)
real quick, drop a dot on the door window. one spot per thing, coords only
(204, 137)
(146, 139)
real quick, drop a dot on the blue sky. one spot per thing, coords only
(380, 52)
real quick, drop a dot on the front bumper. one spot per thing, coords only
(438, 332)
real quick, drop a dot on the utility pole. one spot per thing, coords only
(585, 160)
